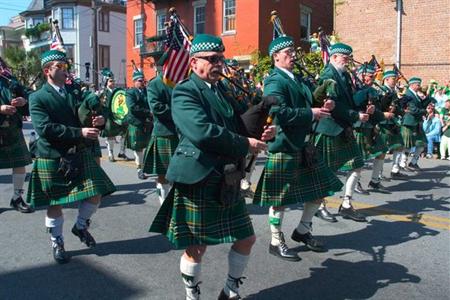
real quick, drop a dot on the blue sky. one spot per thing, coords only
(10, 8)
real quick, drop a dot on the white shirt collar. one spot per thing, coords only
(289, 73)
(57, 89)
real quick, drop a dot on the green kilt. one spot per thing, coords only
(16, 154)
(369, 147)
(95, 149)
(193, 215)
(158, 154)
(285, 180)
(413, 136)
(391, 138)
(138, 137)
(336, 152)
(47, 187)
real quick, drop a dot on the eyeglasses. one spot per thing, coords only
(288, 51)
(213, 59)
(140, 80)
(61, 66)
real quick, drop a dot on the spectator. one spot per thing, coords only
(440, 97)
(445, 122)
(432, 129)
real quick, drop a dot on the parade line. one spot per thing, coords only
(368, 209)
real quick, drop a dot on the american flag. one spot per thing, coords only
(178, 45)
(324, 47)
(56, 43)
(4, 69)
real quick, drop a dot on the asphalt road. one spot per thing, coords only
(403, 252)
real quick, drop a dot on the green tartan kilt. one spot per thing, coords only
(413, 136)
(138, 137)
(47, 187)
(17, 154)
(193, 215)
(393, 140)
(368, 147)
(158, 154)
(337, 152)
(285, 180)
(96, 149)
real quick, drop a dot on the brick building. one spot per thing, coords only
(371, 28)
(243, 24)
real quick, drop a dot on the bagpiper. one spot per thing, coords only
(64, 170)
(164, 138)
(139, 119)
(14, 152)
(288, 178)
(204, 206)
(335, 140)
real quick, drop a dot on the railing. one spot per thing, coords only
(153, 47)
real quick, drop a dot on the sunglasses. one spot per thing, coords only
(61, 66)
(213, 59)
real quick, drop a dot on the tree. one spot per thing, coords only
(25, 65)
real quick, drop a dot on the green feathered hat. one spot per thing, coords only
(53, 55)
(280, 43)
(415, 80)
(137, 74)
(340, 48)
(206, 43)
(389, 73)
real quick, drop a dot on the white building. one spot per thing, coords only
(75, 23)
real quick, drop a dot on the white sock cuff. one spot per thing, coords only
(189, 268)
(54, 222)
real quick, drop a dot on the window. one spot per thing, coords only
(229, 15)
(37, 21)
(305, 22)
(103, 21)
(138, 33)
(103, 53)
(160, 24)
(67, 18)
(199, 19)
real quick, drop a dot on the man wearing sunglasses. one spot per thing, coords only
(205, 207)
(140, 121)
(64, 142)
(287, 178)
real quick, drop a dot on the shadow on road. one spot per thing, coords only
(76, 280)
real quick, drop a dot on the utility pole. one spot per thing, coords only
(144, 20)
(94, 44)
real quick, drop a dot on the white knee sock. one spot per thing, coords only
(55, 228)
(190, 273)
(110, 146)
(236, 265)
(416, 156)
(18, 180)
(163, 190)
(138, 158)
(275, 221)
(396, 158)
(403, 160)
(376, 169)
(309, 209)
(122, 145)
(85, 212)
(351, 182)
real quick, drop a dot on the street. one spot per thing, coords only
(401, 253)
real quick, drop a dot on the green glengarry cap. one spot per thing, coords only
(367, 69)
(206, 43)
(389, 73)
(415, 80)
(341, 48)
(107, 73)
(137, 74)
(280, 43)
(231, 62)
(53, 55)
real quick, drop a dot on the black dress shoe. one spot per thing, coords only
(310, 242)
(223, 296)
(59, 253)
(21, 206)
(360, 190)
(325, 215)
(84, 235)
(111, 159)
(378, 187)
(352, 214)
(414, 167)
(282, 250)
(124, 157)
(398, 175)
(384, 178)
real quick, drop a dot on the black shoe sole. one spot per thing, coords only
(283, 257)
(353, 219)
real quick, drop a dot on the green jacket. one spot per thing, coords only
(345, 112)
(390, 99)
(209, 137)
(294, 115)
(56, 121)
(159, 96)
(138, 109)
(5, 97)
(416, 109)
(361, 99)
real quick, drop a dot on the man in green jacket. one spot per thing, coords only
(335, 140)
(204, 206)
(139, 120)
(65, 170)
(287, 178)
(14, 153)
(164, 136)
